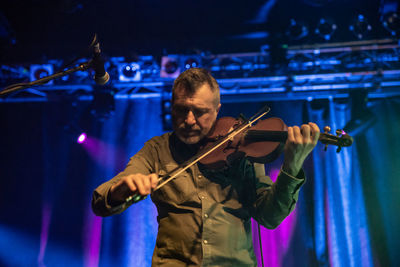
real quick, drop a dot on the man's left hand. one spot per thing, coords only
(300, 142)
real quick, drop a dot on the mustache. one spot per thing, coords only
(186, 127)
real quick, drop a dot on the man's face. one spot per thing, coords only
(194, 115)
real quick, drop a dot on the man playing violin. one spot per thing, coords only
(203, 214)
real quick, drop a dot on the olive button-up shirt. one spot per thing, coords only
(205, 216)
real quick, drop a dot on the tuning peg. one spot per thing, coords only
(338, 149)
(339, 132)
(327, 129)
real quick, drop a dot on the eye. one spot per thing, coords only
(198, 112)
(180, 110)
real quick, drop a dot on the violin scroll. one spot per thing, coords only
(341, 139)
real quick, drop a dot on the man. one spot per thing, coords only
(204, 215)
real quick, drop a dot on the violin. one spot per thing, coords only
(232, 138)
(261, 143)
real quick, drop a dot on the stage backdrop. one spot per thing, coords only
(347, 214)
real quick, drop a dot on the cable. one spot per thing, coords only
(259, 241)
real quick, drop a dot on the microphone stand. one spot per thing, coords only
(20, 86)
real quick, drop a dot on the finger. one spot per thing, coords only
(146, 183)
(315, 132)
(140, 186)
(125, 189)
(305, 131)
(153, 180)
(290, 137)
(130, 184)
(297, 135)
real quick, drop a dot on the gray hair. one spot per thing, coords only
(192, 79)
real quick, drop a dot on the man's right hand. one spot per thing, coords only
(133, 184)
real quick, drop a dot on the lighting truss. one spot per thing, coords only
(313, 71)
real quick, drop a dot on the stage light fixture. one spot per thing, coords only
(297, 30)
(170, 67)
(149, 68)
(191, 62)
(40, 71)
(75, 132)
(391, 22)
(325, 28)
(81, 138)
(360, 27)
(129, 72)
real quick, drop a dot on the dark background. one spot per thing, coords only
(39, 29)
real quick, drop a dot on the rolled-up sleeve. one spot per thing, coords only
(139, 163)
(275, 201)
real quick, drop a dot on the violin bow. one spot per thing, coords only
(196, 158)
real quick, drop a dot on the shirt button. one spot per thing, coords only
(206, 215)
(199, 176)
(205, 242)
(202, 197)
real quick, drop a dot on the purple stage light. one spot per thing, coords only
(81, 138)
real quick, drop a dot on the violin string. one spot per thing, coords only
(136, 197)
(230, 136)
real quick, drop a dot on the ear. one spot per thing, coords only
(219, 106)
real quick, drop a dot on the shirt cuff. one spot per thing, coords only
(289, 182)
(104, 192)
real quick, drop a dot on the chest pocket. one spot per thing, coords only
(179, 189)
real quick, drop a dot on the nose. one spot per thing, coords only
(190, 118)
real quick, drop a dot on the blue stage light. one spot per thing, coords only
(191, 63)
(325, 28)
(129, 72)
(297, 30)
(391, 22)
(360, 27)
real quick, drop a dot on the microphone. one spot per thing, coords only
(101, 77)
